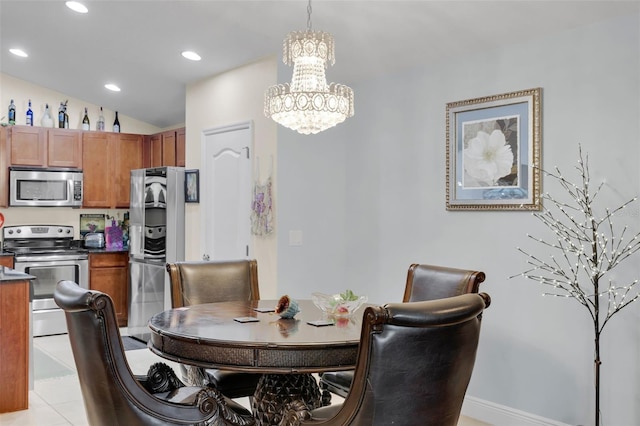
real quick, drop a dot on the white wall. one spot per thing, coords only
(229, 98)
(369, 197)
(21, 91)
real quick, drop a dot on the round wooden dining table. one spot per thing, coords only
(249, 336)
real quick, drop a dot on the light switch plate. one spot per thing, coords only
(295, 238)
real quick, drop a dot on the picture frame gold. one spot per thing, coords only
(494, 152)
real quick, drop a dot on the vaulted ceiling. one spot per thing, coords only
(138, 44)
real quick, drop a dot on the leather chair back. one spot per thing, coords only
(429, 282)
(415, 362)
(424, 282)
(112, 394)
(194, 283)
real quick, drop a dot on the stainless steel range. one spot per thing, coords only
(48, 253)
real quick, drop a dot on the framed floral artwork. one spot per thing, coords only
(493, 152)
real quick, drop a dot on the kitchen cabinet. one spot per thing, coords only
(98, 175)
(155, 151)
(64, 148)
(109, 273)
(6, 260)
(4, 167)
(42, 147)
(108, 159)
(28, 146)
(181, 147)
(165, 149)
(14, 345)
(128, 156)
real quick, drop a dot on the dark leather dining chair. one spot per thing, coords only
(430, 282)
(415, 361)
(198, 282)
(112, 394)
(424, 282)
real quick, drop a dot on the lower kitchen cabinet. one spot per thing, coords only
(109, 273)
(6, 260)
(14, 345)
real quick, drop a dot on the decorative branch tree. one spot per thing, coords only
(590, 247)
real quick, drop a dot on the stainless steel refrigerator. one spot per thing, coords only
(156, 236)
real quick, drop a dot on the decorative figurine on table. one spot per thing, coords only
(287, 307)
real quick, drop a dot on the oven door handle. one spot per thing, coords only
(51, 258)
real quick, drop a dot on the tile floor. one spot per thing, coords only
(56, 398)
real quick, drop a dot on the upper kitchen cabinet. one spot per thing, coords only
(108, 159)
(180, 147)
(128, 151)
(41, 147)
(28, 146)
(64, 148)
(98, 175)
(165, 149)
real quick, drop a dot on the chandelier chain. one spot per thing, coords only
(309, 16)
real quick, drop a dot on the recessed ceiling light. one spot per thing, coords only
(112, 87)
(19, 52)
(193, 56)
(77, 6)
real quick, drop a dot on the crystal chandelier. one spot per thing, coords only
(308, 105)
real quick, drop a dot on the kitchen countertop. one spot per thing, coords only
(8, 275)
(90, 250)
(104, 250)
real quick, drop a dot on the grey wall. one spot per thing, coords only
(369, 196)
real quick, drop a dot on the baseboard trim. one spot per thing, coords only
(496, 414)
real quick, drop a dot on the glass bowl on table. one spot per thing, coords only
(337, 305)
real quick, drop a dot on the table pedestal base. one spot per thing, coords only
(275, 391)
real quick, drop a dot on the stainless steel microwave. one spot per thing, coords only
(31, 187)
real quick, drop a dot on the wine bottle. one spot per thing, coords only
(12, 113)
(29, 115)
(61, 116)
(100, 123)
(47, 121)
(116, 124)
(85, 120)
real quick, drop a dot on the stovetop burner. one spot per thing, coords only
(39, 251)
(39, 240)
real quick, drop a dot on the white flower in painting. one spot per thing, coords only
(487, 158)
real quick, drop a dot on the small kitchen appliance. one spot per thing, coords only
(94, 240)
(38, 187)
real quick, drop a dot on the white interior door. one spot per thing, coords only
(225, 192)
